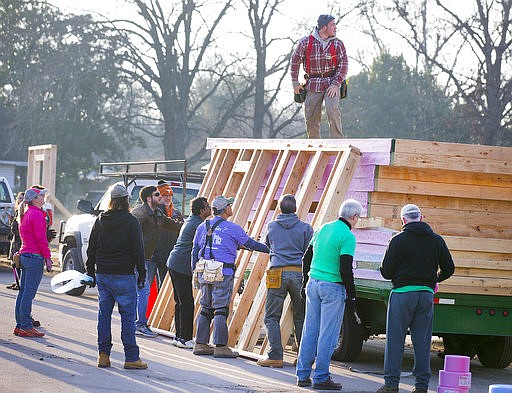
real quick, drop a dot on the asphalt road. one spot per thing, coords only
(65, 359)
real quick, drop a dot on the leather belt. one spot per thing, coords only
(288, 268)
(328, 74)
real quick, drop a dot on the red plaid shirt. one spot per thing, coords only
(320, 62)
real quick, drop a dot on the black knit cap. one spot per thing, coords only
(323, 20)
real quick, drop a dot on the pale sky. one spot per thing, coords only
(294, 12)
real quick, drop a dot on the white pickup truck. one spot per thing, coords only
(74, 233)
(6, 212)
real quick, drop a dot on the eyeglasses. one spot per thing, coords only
(156, 194)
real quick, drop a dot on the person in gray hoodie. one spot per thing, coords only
(288, 239)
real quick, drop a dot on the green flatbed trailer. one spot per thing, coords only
(468, 324)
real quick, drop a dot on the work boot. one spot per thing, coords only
(388, 389)
(328, 384)
(274, 363)
(103, 360)
(202, 349)
(223, 351)
(136, 365)
(304, 382)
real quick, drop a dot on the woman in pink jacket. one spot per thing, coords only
(34, 253)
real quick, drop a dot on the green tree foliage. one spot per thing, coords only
(392, 100)
(60, 84)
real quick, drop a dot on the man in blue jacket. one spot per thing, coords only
(415, 261)
(288, 239)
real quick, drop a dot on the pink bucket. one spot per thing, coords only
(456, 363)
(444, 389)
(454, 379)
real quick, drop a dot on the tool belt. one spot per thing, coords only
(328, 74)
(274, 275)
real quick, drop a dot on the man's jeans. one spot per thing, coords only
(215, 300)
(325, 304)
(142, 298)
(291, 282)
(118, 288)
(158, 269)
(31, 274)
(413, 310)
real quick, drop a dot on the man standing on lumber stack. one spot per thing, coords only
(213, 261)
(325, 64)
(288, 238)
(328, 281)
(415, 261)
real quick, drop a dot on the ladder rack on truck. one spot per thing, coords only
(171, 170)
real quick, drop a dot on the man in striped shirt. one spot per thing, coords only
(325, 64)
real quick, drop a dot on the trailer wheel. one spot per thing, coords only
(71, 262)
(495, 351)
(459, 345)
(351, 339)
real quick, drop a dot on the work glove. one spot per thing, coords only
(90, 280)
(51, 234)
(49, 264)
(141, 281)
(350, 305)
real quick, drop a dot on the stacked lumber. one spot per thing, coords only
(465, 194)
(464, 191)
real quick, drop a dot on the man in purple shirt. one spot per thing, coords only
(226, 238)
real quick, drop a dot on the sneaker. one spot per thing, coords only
(30, 333)
(137, 365)
(303, 383)
(181, 343)
(388, 389)
(16, 331)
(145, 331)
(419, 390)
(328, 384)
(103, 360)
(202, 349)
(174, 341)
(274, 363)
(224, 351)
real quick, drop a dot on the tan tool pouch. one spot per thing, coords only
(273, 279)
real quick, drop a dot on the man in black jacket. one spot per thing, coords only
(152, 220)
(115, 250)
(415, 261)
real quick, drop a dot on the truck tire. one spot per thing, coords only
(351, 340)
(71, 261)
(495, 351)
(459, 345)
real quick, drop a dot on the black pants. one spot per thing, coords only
(184, 309)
